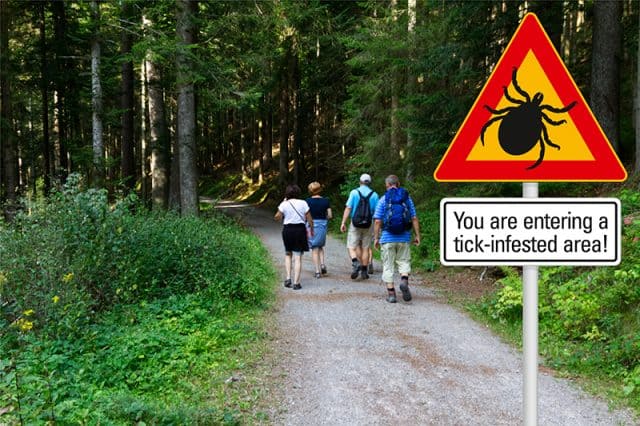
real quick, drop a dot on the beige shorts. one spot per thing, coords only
(359, 236)
(395, 255)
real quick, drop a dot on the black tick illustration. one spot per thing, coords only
(522, 125)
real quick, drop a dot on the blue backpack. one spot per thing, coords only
(397, 218)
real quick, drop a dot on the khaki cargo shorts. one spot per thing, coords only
(359, 236)
(395, 255)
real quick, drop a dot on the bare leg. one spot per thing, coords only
(315, 255)
(287, 264)
(297, 268)
(366, 252)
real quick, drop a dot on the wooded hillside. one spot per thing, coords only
(150, 96)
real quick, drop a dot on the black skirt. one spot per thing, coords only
(294, 237)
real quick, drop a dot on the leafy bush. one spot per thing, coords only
(108, 311)
(85, 254)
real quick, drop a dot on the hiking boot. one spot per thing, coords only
(297, 286)
(323, 269)
(317, 274)
(391, 298)
(363, 273)
(355, 269)
(287, 283)
(404, 288)
(370, 268)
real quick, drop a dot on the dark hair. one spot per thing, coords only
(292, 191)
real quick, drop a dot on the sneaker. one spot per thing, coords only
(297, 286)
(391, 298)
(323, 269)
(287, 283)
(404, 288)
(317, 274)
(355, 269)
(370, 268)
(363, 273)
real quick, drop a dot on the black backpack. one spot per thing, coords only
(362, 217)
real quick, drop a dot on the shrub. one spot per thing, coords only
(79, 254)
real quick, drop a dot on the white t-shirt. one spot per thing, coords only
(294, 211)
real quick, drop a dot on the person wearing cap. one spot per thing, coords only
(359, 239)
(320, 210)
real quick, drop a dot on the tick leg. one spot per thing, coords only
(498, 111)
(547, 140)
(550, 121)
(486, 126)
(514, 80)
(558, 110)
(509, 98)
(537, 163)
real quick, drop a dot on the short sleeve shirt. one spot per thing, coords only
(318, 207)
(388, 237)
(354, 198)
(294, 211)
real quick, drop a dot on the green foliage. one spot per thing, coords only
(112, 314)
(589, 318)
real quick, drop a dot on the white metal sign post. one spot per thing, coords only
(530, 330)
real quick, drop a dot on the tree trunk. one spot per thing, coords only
(144, 126)
(8, 166)
(637, 103)
(96, 100)
(44, 89)
(284, 116)
(62, 67)
(605, 66)
(394, 137)
(158, 132)
(186, 29)
(411, 30)
(128, 169)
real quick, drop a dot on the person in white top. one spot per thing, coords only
(296, 218)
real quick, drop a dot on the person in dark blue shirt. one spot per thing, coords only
(320, 210)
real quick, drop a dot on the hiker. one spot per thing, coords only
(297, 219)
(320, 210)
(359, 212)
(395, 217)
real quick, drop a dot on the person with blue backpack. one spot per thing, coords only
(394, 219)
(359, 210)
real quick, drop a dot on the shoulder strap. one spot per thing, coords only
(296, 210)
(362, 196)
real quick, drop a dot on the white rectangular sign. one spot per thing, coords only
(530, 231)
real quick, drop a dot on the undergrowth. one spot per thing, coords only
(589, 318)
(114, 315)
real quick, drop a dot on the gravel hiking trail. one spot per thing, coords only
(347, 357)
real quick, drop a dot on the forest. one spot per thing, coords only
(117, 116)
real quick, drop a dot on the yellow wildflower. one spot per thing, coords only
(28, 312)
(24, 325)
(55, 299)
(67, 278)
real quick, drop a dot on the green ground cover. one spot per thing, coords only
(113, 315)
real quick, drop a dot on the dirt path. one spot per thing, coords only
(350, 358)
